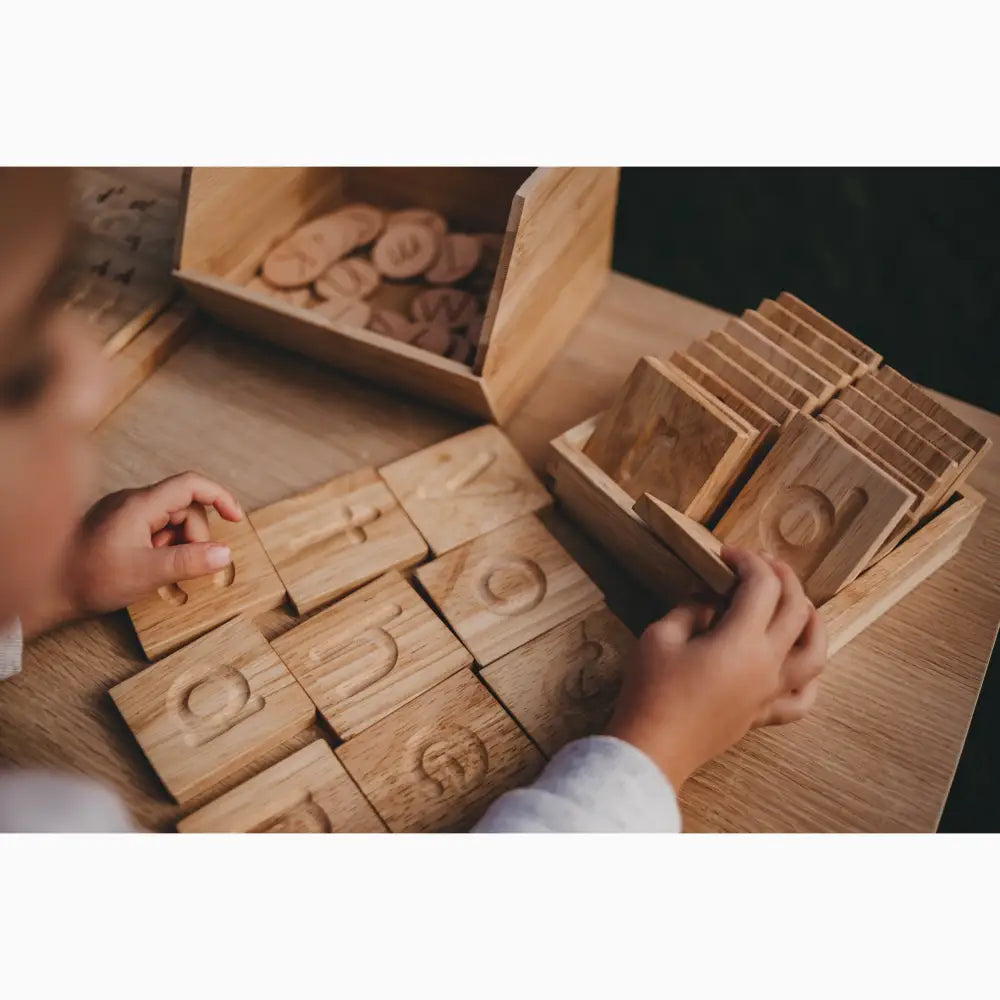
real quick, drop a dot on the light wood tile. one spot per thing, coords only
(369, 653)
(775, 380)
(869, 357)
(176, 614)
(563, 685)
(329, 540)
(308, 792)
(465, 486)
(802, 352)
(439, 761)
(818, 504)
(505, 588)
(210, 708)
(804, 333)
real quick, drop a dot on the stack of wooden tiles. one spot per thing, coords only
(779, 431)
(401, 702)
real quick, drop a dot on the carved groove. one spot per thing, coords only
(449, 760)
(211, 705)
(648, 452)
(530, 586)
(468, 481)
(306, 816)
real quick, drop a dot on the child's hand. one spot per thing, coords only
(695, 688)
(134, 541)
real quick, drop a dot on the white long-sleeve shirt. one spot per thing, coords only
(595, 785)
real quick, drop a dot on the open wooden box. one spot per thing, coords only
(604, 510)
(558, 225)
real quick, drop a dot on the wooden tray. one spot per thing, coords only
(605, 511)
(558, 225)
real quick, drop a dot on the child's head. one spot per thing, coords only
(49, 389)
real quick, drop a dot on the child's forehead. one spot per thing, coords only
(34, 228)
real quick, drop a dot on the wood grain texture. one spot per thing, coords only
(465, 486)
(917, 421)
(919, 448)
(878, 751)
(333, 538)
(819, 505)
(799, 350)
(370, 653)
(805, 333)
(590, 496)
(507, 587)
(438, 762)
(661, 436)
(308, 792)
(748, 337)
(176, 614)
(841, 416)
(775, 380)
(211, 707)
(564, 684)
(690, 541)
(869, 357)
(776, 407)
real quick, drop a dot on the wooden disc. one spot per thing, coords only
(309, 251)
(406, 251)
(458, 258)
(434, 337)
(352, 278)
(420, 217)
(450, 306)
(293, 296)
(393, 324)
(368, 221)
(344, 311)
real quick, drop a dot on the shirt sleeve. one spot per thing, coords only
(10, 649)
(595, 785)
(45, 802)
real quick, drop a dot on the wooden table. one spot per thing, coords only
(878, 752)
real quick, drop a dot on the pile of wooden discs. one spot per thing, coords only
(403, 274)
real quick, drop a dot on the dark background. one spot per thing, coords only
(906, 259)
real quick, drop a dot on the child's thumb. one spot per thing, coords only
(174, 563)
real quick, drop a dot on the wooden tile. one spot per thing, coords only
(563, 685)
(806, 334)
(930, 407)
(174, 615)
(722, 390)
(465, 486)
(661, 436)
(777, 357)
(802, 352)
(793, 394)
(369, 653)
(690, 541)
(308, 792)
(739, 378)
(438, 762)
(503, 589)
(211, 707)
(912, 443)
(818, 504)
(330, 540)
(841, 416)
(869, 357)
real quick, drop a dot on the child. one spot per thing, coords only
(694, 689)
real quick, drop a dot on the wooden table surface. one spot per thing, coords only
(878, 752)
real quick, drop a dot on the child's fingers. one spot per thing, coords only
(172, 495)
(808, 656)
(173, 563)
(756, 594)
(678, 626)
(792, 612)
(791, 707)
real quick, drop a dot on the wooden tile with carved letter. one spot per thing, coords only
(507, 587)
(439, 761)
(663, 435)
(178, 613)
(465, 486)
(563, 685)
(818, 504)
(211, 707)
(329, 540)
(369, 653)
(308, 792)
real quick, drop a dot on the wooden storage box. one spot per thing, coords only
(557, 223)
(604, 510)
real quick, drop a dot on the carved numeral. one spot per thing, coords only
(449, 760)
(212, 704)
(512, 586)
